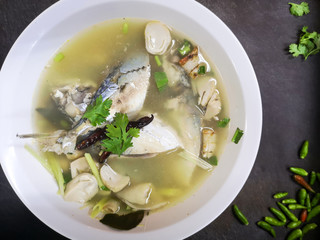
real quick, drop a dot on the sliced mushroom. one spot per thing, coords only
(214, 106)
(138, 194)
(208, 142)
(206, 91)
(191, 63)
(79, 166)
(157, 38)
(82, 188)
(113, 180)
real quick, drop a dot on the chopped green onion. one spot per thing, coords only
(40, 158)
(157, 59)
(59, 57)
(202, 70)
(185, 48)
(95, 171)
(57, 171)
(223, 123)
(161, 80)
(125, 28)
(98, 207)
(213, 160)
(237, 136)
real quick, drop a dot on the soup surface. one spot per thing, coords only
(172, 84)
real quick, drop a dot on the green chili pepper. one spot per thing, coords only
(312, 177)
(308, 228)
(274, 222)
(240, 215)
(288, 201)
(297, 233)
(304, 149)
(294, 224)
(287, 212)
(315, 200)
(267, 227)
(318, 176)
(302, 196)
(296, 206)
(280, 195)
(308, 203)
(279, 214)
(314, 212)
(299, 171)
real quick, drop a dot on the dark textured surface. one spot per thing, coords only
(290, 95)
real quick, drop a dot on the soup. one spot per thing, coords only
(132, 117)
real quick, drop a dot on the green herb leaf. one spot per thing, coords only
(223, 123)
(185, 48)
(119, 139)
(59, 57)
(237, 136)
(161, 80)
(309, 44)
(213, 160)
(299, 9)
(98, 112)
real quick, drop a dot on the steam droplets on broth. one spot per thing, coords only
(145, 68)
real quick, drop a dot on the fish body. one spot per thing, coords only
(126, 86)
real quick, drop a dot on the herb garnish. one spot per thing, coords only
(98, 111)
(309, 44)
(299, 9)
(119, 139)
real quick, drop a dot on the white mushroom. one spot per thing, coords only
(113, 180)
(205, 91)
(214, 106)
(76, 154)
(157, 38)
(191, 63)
(79, 166)
(137, 194)
(208, 142)
(82, 188)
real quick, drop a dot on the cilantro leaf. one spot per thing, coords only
(309, 44)
(98, 111)
(299, 9)
(119, 139)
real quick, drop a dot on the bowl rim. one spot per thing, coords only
(253, 108)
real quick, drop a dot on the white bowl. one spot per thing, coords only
(19, 77)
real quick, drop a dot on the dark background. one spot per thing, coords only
(290, 95)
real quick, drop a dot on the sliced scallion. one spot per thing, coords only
(223, 123)
(157, 59)
(125, 28)
(185, 48)
(40, 158)
(202, 70)
(237, 136)
(95, 171)
(161, 80)
(213, 160)
(59, 57)
(57, 171)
